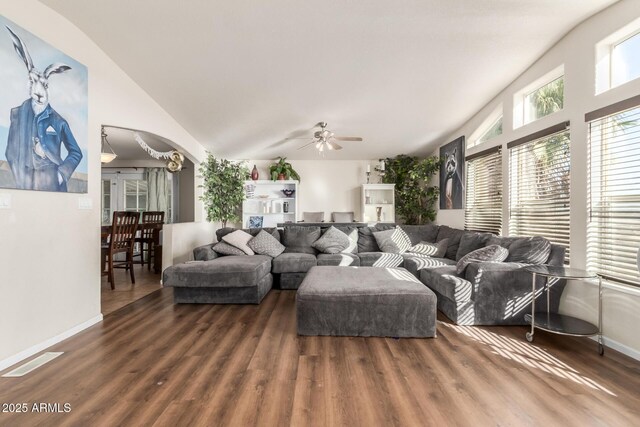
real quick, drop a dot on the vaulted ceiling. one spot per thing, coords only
(243, 75)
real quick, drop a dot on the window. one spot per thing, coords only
(613, 233)
(544, 100)
(625, 60)
(539, 168)
(494, 130)
(135, 195)
(483, 207)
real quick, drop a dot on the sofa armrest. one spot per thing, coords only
(511, 283)
(204, 253)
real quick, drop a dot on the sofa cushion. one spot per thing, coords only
(393, 241)
(505, 242)
(454, 235)
(366, 241)
(333, 241)
(239, 239)
(225, 248)
(226, 271)
(445, 281)
(421, 233)
(491, 253)
(414, 263)
(221, 232)
(298, 239)
(265, 244)
(530, 250)
(289, 262)
(470, 241)
(436, 250)
(342, 259)
(380, 259)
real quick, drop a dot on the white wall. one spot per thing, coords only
(178, 240)
(50, 251)
(577, 52)
(327, 185)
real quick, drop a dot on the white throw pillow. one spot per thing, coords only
(239, 239)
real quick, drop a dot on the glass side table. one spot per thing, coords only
(561, 323)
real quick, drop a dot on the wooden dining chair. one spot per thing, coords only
(121, 240)
(151, 221)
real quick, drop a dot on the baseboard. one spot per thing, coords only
(12, 360)
(615, 345)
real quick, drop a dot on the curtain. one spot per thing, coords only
(158, 191)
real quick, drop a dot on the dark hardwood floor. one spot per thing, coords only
(156, 363)
(126, 292)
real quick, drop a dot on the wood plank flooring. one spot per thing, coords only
(125, 292)
(153, 363)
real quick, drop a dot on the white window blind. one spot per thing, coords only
(483, 207)
(539, 187)
(613, 234)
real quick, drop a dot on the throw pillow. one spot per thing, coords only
(394, 241)
(435, 250)
(265, 244)
(333, 241)
(492, 253)
(353, 242)
(530, 250)
(224, 248)
(239, 239)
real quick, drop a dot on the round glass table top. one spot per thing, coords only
(560, 272)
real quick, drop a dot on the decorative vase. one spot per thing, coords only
(285, 207)
(379, 213)
(254, 173)
(281, 177)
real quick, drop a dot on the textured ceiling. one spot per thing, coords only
(242, 75)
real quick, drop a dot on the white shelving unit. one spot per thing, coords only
(378, 198)
(269, 202)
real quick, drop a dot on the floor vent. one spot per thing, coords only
(33, 364)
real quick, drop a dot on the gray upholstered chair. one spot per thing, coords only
(313, 216)
(342, 216)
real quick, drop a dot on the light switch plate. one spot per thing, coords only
(5, 201)
(85, 203)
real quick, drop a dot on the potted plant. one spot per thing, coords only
(223, 188)
(415, 196)
(282, 170)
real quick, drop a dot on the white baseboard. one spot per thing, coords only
(12, 360)
(615, 345)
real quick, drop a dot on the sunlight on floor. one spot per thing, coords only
(526, 354)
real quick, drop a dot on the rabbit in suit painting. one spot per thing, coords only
(37, 133)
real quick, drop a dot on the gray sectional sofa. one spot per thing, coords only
(485, 293)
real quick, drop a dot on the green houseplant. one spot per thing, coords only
(283, 170)
(415, 198)
(223, 188)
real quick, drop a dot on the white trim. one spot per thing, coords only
(615, 345)
(12, 360)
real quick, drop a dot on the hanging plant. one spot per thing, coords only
(415, 198)
(223, 188)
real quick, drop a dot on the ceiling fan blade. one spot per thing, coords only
(333, 146)
(306, 145)
(302, 137)
(347, 138)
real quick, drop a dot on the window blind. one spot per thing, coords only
(539, 187)
(613, 232)
(483, 206)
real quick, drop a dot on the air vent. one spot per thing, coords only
(33, 364)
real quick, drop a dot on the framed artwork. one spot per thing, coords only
(255, 221)
(452, 175)
(43, 115)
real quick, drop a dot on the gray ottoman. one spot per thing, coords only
(365, 302)
(223, 280)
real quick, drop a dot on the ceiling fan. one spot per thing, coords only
(324, 139)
